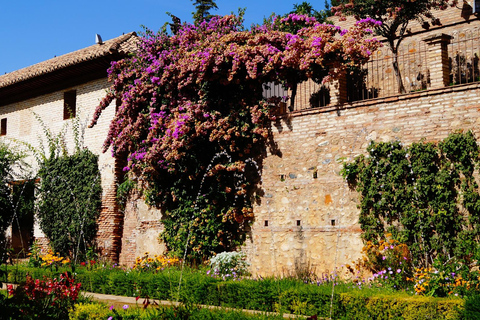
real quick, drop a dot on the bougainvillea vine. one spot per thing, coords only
(198, 93)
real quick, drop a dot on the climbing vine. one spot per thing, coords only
(425, 195)
(188, 97)
(69, 193)
(69, 202)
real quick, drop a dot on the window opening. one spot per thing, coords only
(69, 104)
(3, 127)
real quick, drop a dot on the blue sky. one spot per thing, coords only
(32, 31)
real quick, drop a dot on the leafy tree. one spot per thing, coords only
(203, 10)
(305, 8)
(395, 16)
(193, 118)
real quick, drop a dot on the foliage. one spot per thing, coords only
(229, 264)
(192, 117)
(100, 311)
(445, 280)
(264, 294)
(389, 262)
(44, 299)
(395, 16)
(87, 311)
(202, 12)
(472, 307)
(53, 261)
(305, 8)
(424, 195)
(157, 263)
(399, 307)
(10, 159)
(69, 201)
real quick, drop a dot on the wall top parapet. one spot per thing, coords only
(438, 37)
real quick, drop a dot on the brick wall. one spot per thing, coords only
(22, 126)
(311, 214)
(328, 234)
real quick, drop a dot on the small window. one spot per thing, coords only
(3, 127)
(69, 104)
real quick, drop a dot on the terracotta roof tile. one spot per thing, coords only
(122, 44)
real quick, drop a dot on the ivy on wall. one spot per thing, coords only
(70, 201)
(425, 195)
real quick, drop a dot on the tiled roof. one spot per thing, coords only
(120, 45)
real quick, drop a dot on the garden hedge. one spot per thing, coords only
(270, 295)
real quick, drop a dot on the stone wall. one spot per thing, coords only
(308, 217)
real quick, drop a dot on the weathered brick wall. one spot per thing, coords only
(141, 229)
(307, 220)
(320, 139)
(22, 126)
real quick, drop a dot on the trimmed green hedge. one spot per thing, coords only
(101, 311)
(277, 295)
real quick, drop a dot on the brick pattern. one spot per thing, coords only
(23, 126)
(307, 216)
(318, 140)
(43, 244)
(438, 59)
(141, 228)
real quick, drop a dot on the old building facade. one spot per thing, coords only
(307, 217)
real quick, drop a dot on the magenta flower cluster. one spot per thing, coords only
(204, 84)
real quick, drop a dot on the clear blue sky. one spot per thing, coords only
(32, 31)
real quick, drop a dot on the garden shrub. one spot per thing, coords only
(87, 311)
(44, 299)
(269, 295)
(69, 201)
(229, 264)
(101, 311)
(472, 306)
(424, 195)
(356, 306)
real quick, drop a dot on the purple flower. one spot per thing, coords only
(111, 307)
(125, 307)
(398, 270)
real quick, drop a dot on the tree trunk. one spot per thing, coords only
(398, 75)
(292, 98)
